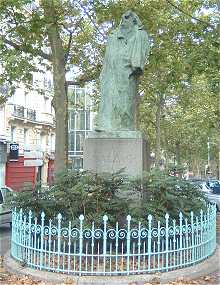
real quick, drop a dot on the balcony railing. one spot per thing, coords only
(18, 111)
(31, 115)
(24, 113)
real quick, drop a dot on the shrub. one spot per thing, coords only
(92, 195)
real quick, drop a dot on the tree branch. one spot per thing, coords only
(189, 15)
(68, 47)
(26, 49)
(91, 20)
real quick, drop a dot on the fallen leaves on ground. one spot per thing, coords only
(8, 279)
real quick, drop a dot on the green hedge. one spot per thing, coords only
(115, 195)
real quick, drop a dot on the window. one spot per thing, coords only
(25, 99)
(46, 100)
(87, 120)
(80, 98)
(25, 138)
(13, 131)
(80, 120)
(71, 120)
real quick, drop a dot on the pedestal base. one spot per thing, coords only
(113, 154)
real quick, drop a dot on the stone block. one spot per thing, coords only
(113, 154)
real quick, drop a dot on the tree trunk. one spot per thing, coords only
(218, 174)
(60, 100)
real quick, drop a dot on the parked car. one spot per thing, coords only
(211, 193)
(214, 185)
(5, 212)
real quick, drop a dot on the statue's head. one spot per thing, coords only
(130, 19)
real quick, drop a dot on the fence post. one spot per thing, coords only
(59, 218)
(181, 238)
(105, 219)
(158, 245)
(29, 236)
(20, 247)
(197, 238)
(128, 242)
(149, 241)
(186, 242)
(20, 225)
(192, 236)
(24, 248)
(167, 240)
(201, 233)
(214, 227)
(12, 232)
(42, 239)
(81, 218)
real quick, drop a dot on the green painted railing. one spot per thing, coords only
(135, 249)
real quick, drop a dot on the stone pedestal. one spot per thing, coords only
(102, 154)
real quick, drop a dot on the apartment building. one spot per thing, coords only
(27, 136)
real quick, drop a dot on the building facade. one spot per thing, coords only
(80, 123)
(28, 127)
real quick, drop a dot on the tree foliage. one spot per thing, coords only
(184, 55)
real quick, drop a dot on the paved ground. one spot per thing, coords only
(12, 279)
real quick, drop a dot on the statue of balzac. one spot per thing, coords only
(125, 56)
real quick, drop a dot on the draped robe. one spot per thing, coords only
(124, 62)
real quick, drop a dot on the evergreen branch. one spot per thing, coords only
(189, 15)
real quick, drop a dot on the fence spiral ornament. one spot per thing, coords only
(154, 232)
(171, 231)
(189, 228)
(98, 233)
(177, 230)
(131, 249)
(46, 230)
(162, 232)
(111, 234)
(75, 233)
(134, 233)
(54, 231)
(144, 233)
(87, 233)
(122, 233)
(65, 232)
(38, 229)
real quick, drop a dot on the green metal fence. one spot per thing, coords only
(134, 249)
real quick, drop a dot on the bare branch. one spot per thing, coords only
(26, 49)
(189, 15)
